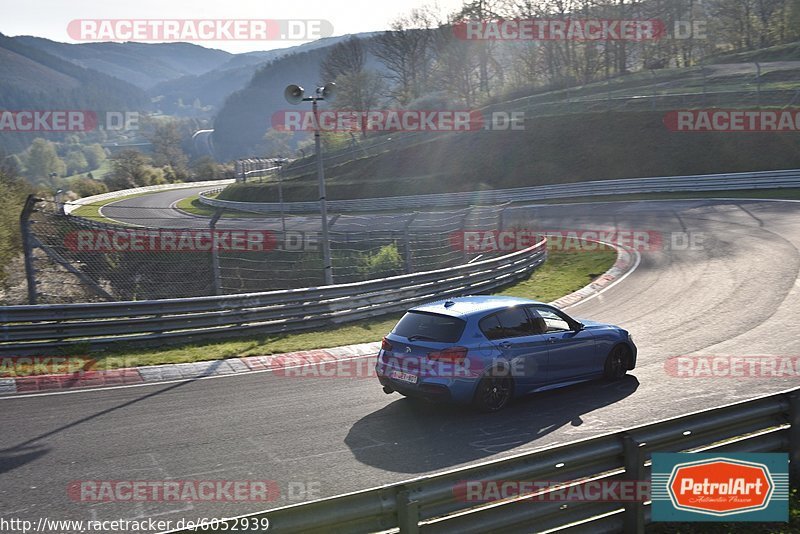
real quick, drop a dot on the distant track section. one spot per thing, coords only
(657, 184)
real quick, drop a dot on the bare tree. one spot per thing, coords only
(407, 53)
(346, 57)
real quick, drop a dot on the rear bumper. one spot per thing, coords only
(431, 392)
(438, 389)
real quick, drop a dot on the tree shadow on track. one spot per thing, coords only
(417, 437)
(31, 449)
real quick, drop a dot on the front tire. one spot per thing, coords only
(616, 363)
(493, 393)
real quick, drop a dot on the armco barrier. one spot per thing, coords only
(36, 329)
(430, 504)
(660, 184)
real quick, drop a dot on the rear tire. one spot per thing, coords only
(493, 393)
(616, 363)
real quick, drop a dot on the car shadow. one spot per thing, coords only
(412, 436)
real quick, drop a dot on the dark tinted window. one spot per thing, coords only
(430, 327)
(512, 322)
(491, 328)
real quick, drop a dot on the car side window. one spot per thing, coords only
(511, 322)
(491, 327)
(552, 321)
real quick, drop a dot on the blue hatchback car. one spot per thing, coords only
(486, 350)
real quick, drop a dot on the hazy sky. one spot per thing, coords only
(49, 18)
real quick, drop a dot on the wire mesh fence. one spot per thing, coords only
(75, 259)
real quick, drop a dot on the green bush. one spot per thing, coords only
(385, 262)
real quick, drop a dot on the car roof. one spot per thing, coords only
(466, 306)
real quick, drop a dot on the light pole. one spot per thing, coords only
(294, 95)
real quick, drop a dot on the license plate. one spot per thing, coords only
(404, 377)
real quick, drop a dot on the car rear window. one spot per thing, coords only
(430, 327)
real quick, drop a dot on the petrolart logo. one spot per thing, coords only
(713, 487)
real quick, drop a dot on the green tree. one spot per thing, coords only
(205, 168)
(85, 186)
(129, 169)
(13, 192)
(76, 162)
(277, 142)
(167, 150)
(42, 160)
(95, 155)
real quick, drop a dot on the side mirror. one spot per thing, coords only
(579, 326)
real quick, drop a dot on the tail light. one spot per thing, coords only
(449, 355)
(385, 345)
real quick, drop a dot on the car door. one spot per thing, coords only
(571, 353)
(526, 352)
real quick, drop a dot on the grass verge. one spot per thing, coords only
(193, 206)
(561, 274)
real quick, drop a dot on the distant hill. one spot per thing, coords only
(246, 114)
(141, 64)
(180, 79)
(36, 80)
(211, 88)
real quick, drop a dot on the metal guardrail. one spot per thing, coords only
(431, 504)
(31, 329)
(660, 184)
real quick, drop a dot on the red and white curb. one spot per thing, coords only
(627, 261)
(181, 371)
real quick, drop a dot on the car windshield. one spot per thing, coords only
(422, 326)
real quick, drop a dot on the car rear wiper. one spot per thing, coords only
(417, 337)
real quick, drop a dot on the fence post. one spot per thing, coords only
(653, 85)
(794, 439)
(703, 74)
(407, 513)
(758, 84)
(467, 213)
(280, 198)
(501, 216)
(633, 520)
(27, 245)
(215, 282)
(407, 257)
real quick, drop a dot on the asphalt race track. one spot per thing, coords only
(737, 295)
